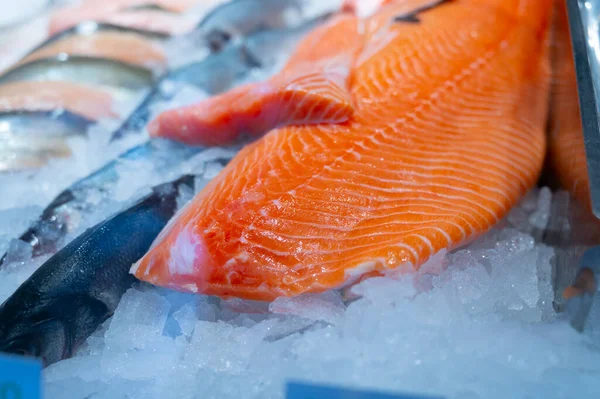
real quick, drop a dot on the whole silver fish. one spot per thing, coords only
(65, 300)
(87, 28)
(240, 18)
(46, 233)
(125, 82)
(28, 139)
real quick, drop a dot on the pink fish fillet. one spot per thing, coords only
(46, 96)
(97, 10)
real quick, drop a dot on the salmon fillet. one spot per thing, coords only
(47, 96)
(124, 47)
(151, 20)
(312, 88)
(447, 134)
(93, 10)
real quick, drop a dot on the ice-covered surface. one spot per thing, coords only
(14, 12)
(486, 322)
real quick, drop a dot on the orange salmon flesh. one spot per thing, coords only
(442, 111)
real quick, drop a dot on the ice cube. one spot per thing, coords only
(540, 217)
(79, 367)
(186, 318)
(18, 252)
(134, 175)
(546, 275)
(237, 305)
(385, 290)
(327, 306)
(471, 283)
(139, 318)
(142, 362)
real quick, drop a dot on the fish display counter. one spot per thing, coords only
(300, 198)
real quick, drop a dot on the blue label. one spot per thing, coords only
(20, 377)
(298, 390)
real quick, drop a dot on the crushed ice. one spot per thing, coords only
(487, 320)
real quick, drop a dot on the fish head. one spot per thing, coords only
(49, 330)
(46, 340)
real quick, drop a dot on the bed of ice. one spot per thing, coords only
(486, 326)
(486, 321)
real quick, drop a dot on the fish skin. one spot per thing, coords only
(124, 82)
(36, 136)
(68, 17)
(90, 27)
(46, 233)
(54, 311)
(154, 21)
(441, 146)
(237, 19)
(127, 47)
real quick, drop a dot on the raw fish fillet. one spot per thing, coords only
(46, 96)
(312, 88)
(447, 134)
(94, 10)
(151, 20)
(119, 46)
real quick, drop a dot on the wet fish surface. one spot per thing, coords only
(239, 18)
(432, 155)
(54, 311)
(91, 27)
(220, 70)
(56, 221)
(118, 45)
(29, 138)
(152, 21)
(123, 81)
(55, 95)
(262, 49)
(92, 10)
